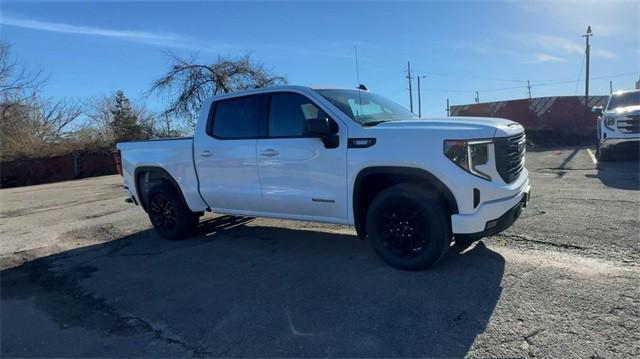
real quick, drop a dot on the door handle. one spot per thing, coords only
(269, 153)
(206, 153)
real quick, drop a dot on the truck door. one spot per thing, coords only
(300, 177)
(225, 157)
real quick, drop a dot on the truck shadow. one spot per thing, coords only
(240, 289)
(622, 173)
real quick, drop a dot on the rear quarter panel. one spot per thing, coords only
(175, 156)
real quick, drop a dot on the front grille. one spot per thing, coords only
(629, 124)
(510, 153)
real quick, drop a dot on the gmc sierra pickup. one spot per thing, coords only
(618, 126)
(347, 156)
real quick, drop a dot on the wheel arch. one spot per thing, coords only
(146, 176)
(372, 180)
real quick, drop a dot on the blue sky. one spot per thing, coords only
(94, 48)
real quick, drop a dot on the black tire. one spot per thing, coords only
(603, 155)
(169, 215)
(361, 233)
(408, 227)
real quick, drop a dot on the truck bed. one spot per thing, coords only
(173, 155)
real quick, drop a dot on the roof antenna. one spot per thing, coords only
(355, 48)
(361, 86)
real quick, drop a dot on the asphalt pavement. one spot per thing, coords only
(83, 275)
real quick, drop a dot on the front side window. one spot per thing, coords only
(365, 107)
(237, 117)
(287, 113)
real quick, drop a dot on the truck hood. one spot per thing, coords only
(464, 127)
(624, 110)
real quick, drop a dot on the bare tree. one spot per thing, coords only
(16, 82)
(101, 120)
(168, 126)
(52, 118)
(100, 117)
(187, 83)
(29, 128)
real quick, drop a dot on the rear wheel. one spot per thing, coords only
(408, 227)
(170, 217)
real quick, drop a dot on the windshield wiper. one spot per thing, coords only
(373, 123)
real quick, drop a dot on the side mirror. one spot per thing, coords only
(325, 129)
(597, 110)
(319, 127)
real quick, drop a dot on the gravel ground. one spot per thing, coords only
(82, 275)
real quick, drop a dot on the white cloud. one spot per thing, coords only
(144, 37)
(605, 54)
(602, 30)
(340, 49)
(485, 48)
(566, 46)
(542, 57)
(556, 43)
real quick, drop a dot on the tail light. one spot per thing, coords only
(117, 158)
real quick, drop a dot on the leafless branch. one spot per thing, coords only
(188, 83)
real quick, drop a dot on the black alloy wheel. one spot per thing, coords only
(162, 212)
(403, 231)
(408, 226)
(168, 213)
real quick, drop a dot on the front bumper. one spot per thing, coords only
(492, 217)
(609, 142)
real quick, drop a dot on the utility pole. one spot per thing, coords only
(610, 87)
(529, 88)
(477, 97)
(410, 92)
(587, 50)
(448, 111)
(419, 99)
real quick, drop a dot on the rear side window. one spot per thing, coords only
(287, 114)
(237, 117)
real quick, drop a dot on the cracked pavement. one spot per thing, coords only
(83, 276)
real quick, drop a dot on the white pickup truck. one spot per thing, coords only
(344, 156)
(618, 126)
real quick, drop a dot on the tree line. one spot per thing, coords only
(34, 126)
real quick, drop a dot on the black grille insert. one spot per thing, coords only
(510, 153)
(629, 124)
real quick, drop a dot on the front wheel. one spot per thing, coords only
(408, 227)
(170, 217)
(602, 154)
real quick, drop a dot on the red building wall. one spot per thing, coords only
(32, 171)
(559, 118)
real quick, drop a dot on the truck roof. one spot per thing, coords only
(279, 88)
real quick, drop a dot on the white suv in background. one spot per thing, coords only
(618, 124)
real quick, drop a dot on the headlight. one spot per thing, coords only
(610, 122)
(468, 155)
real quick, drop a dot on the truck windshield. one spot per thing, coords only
(624, 100)
(365, 107)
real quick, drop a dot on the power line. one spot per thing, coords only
(476, 77)
(535, 82)
(533, 85)
(593, 78)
